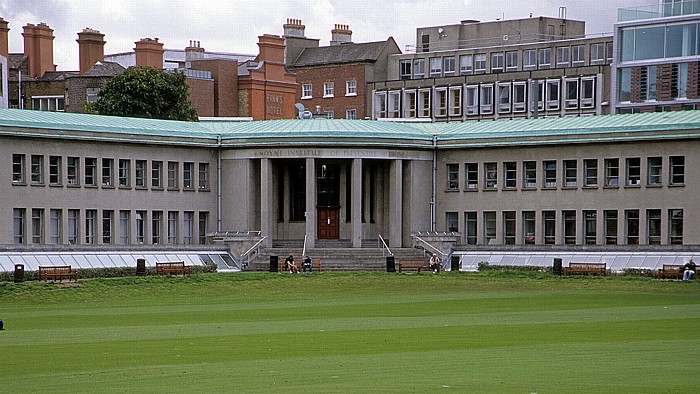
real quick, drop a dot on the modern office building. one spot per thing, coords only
(657, 56)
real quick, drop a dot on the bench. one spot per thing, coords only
(670, 271)
(417, 265)
(585, 269)
(315, 265)
(57, 272)
(173, 268)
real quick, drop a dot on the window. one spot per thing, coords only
(394, 109)
(451, 222)
(489, 227)
(352, 114)
(491, 175)
(512, 61)
(124, 227)
(55, 170)
(90, 171)
(553, 94)
(549, 227)
(107, 172)
(435, 67)
(124, 172)
(497, 62)
(578, 55)
(409, 104)
(19, 225)
(610, 218)
(480, 63)
(509, 227)
(519, 99)
(73, 227)
(187, 227)
(156, 226)
(37, 226)
(570, 173)
(632, 226)
(140, 227)
(654, 171)
(351, 88)
(597, 53)
(107, 227)
(452, 177)
(418, 68)
(380, 105)
(328, 89)
(297, 192)
(612, 172)
(424, 103)
(55, 226)
(37, 169)
(172, 227)
(173, 181)
(140, 172)
(647, 81)
(48, 103)
(203, 224)
(90, 226)
(92, 94)
(466, 64)
(679, 81)
(470, 227)
(455, 101)
(472, 174)
(549, 173)
(405, 69)
(587, 92)
(471, 101)
(537, 91)
(18, 165)
(157, 174)
(675, 226)
(633, 171)
(589, 227)
(608, 52)
(563, 56)
(677, 164)
(530, 174)
(529, 227)
(654, 226)
(203, 176)
(503, 97)
(510, 174)
(544, 58)
(448, 65)
(569, 227)
(590, 172)
(440, 102)
(571, 91)
(72, 172)
(529, 59)
(486, 99)
(188, 176)
(306, 90)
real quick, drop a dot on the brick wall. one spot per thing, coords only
(202, 95)
(225, 75)
(338, 74)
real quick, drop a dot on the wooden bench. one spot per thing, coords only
(173, 268)
(585, 269)
(315, 265)
(670, 271)
(417, 265)
(57, 272)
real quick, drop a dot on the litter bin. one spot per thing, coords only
(557, 267)
(19, 273)
(274, 264)
(390, 264)
(141, 267)
(454, 263)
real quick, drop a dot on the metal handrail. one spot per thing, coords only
(385, 245)
(245, 257)
(430, 246)
(303, 252)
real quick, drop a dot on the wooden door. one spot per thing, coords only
(328, 224)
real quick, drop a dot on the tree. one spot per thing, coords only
(145, 92)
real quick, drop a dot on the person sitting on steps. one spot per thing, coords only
(290, 265)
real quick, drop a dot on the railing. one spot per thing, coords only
(385, 245)
(654, 11)
(231, 234)
(429, 246)
(303, 251)
(248, 255)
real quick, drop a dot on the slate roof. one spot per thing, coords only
(104, 69)
(343, 53)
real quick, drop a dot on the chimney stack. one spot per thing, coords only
(91, 48)
(294, 28)
(38, 47)
(149, 53)
(4, 41)
(341, 35)
(271, 48)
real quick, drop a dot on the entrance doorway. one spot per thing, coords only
(328, 201)
(328, 223)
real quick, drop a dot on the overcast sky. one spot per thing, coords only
(234, 25)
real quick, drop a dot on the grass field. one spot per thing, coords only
(489, 332)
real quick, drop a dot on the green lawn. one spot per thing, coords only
(352, 332)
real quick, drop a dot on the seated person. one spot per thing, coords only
(689, 270)
(306, 265)
(434, 263)
(290, 265)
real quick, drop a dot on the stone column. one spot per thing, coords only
(266, 214)
(396, 202)
(356, 199)
(310, 203)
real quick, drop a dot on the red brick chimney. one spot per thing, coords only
(4, 43)
(271, 48)
(91, 45)
(149, 53)
(341, 35)
(38, 47)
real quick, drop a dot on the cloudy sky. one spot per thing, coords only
(234, 25)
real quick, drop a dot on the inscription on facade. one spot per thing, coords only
(274, 104)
